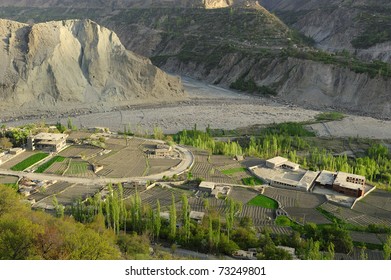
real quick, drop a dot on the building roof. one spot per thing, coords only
(308, 179)
(50, 136)
(292, 165)
(326, 178)
(207, 185)
(342, 177)
(277, 160)
(196, 215)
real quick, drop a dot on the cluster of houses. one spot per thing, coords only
(28, 187)
(280, 172)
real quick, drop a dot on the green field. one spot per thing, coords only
(76, 168)
(252, 181)
(47, 164)
(29, 162)
(263, 201)
(283, 221)
(234, 170)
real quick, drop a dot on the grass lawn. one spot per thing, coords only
(29, 162)
(233, 170)
(47, 164)
(264, 202)
(252, 181)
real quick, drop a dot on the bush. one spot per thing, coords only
(329, 116)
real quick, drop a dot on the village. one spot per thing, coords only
(79, 165)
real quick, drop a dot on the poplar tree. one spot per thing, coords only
(173, 219)
(186, 218)
(158, 221)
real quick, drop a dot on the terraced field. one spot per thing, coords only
(69, 195)
(51, 190)
(159, 165)
(306, 215)
(292, 198)
(58, 167)
(243, 195)
(260, 216)
(353, 216)
(17, 159)
(202, 168)
(164, 195)
(5, 179)
(85, 151)
(80, 168)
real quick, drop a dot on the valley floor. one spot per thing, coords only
(219, 108)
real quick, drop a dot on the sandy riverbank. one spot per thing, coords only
(220, 108)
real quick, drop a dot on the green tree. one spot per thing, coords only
(172, 233)
(387, 248)
(186, 218)
(157, 221)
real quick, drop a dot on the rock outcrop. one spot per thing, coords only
(75, 64)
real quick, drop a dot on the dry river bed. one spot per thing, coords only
(220, 108)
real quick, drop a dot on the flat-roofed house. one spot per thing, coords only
(49, 142)
(282, 162)
(207, 186)
(349, 184)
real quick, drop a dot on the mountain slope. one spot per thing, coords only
(361, 27)
(243, 47)
(75, 64)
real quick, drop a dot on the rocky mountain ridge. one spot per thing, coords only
(250, 49)
(63, 65)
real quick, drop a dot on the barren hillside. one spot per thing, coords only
(361, 27)
(74, 64)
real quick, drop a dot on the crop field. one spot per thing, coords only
(17, 159)
(159, 165)
(71, 194)
(306, 215)
(354, 217)
(84, 151)
(58, 167)
(79, 168)
(264, 202)
(221, 162)
(260, 216)
(31, 160)
(164, 195)
(276, 229)
(293, 198)
(202, 168)
(49, 191)
(367, 237)
(125, 163)
(197, 204)
(377, 199)
(7, 180)
(242, 195)
(49, 163)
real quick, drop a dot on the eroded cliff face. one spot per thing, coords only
(302, 82)
(75, 64)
